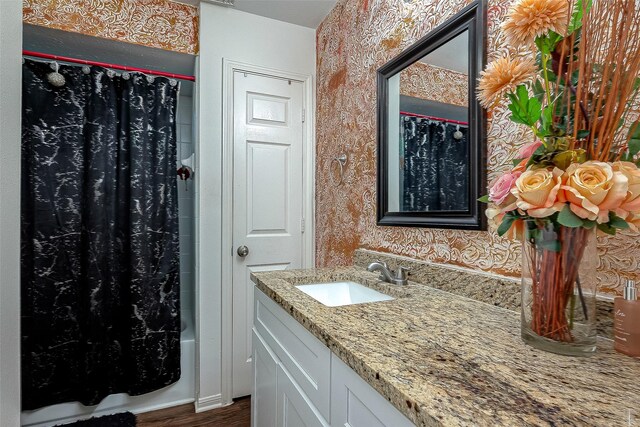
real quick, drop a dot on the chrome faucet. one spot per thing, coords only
(399, 278)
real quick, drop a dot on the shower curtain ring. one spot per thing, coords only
(56, 79)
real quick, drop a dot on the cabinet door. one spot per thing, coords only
(294, 408)
(305, 358)
(354, 403)
(263, 401)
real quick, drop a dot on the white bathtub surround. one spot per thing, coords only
(186, 203)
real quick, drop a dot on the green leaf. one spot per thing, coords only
(484, 199)
(578, 13)
(567, 218)
(540, 150)
(547, 118)
(634, 138)
(634, 130)
(588, 224)
(538, 90)
(516, 162)
(547, 43)
(634, 147)
(506, 224)
(525, 110)
(582, 134)
(617, 222)
(563, 159)
(606, 228)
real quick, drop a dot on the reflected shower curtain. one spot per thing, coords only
(436, 166)
(100, 260)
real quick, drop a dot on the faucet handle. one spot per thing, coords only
(402, 272)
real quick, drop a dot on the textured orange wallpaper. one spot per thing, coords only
(161, 24)
(434, 83)
(356, 38)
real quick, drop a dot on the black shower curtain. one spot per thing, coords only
(100, 259)
(436, 165)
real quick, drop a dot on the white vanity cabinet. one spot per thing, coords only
(265, 370)
(298, 382)
(354, 403)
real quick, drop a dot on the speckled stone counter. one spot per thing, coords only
(495, 290)
(446, 360)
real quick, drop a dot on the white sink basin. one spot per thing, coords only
(335, 294)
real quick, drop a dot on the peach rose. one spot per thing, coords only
(593, 189)
(631, 203)
(536, 191)
(501, 188)
(527, 150)
(634, 221)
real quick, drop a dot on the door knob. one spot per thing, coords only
(243, 251)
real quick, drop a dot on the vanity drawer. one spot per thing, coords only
(303, 355)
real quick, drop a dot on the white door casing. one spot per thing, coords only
(267, 197)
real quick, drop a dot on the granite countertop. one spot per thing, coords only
(447, 360)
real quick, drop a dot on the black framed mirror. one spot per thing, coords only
(431, 129)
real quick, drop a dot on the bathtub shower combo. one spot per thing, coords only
(107, 243)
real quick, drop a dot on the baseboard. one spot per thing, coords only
(162, 406)
(208, 403)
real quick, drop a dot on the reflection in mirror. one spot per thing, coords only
(429, 153)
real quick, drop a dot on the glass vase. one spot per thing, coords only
(559, 288)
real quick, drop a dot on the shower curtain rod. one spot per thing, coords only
(440, 119)
(107, 65)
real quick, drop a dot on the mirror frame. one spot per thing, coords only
(473, 19)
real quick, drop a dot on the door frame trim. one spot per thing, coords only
(308, 170)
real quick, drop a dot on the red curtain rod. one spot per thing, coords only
(106, 65)
(456, 122)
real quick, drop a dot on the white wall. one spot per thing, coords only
(237, 36)
(10, 111)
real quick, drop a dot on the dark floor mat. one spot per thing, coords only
(125, 419)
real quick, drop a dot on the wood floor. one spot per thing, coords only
(236, 415)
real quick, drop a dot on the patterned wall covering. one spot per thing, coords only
(426, 81)
(356, 38)
(161, 24)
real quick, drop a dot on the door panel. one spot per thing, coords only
(267, 197)
(267, 109)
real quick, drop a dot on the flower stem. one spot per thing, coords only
(545, 72)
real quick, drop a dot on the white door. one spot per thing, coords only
(267, 197)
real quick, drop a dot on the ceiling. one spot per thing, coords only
(308, 13)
